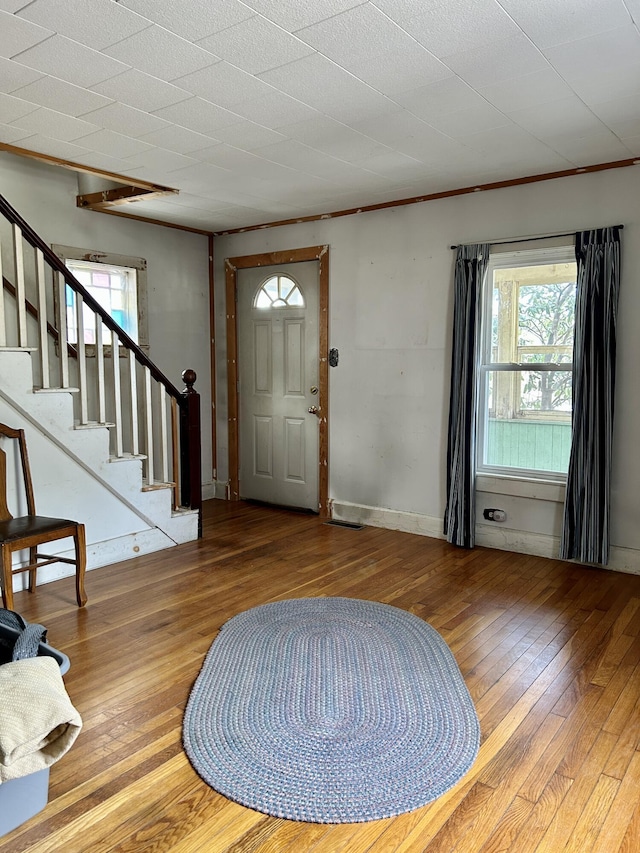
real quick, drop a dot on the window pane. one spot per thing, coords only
(535, 434)
(533, 309)
(72, 326)
(285, 287)
(278, 292)
(546, 394)
(538, 394)
(115, 290)
(102, 297)
(100, 279)
(262, 300)
(271, 287)
(295, 297)
(546, 321)
(83, 276)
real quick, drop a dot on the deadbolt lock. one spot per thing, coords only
(314, 389)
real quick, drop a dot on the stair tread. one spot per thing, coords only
(18, 349)
(92, 425)
(127, 457)
(151, 488)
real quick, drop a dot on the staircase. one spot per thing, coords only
(112, 441)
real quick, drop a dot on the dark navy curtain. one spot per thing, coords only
(585, 533)
(460, 512)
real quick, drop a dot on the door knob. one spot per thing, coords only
(313, 410)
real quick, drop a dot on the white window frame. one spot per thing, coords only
(93, 256)
(501, 260)
(281, 302)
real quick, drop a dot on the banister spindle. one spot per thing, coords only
(3, 328)
(117, 393)
(43, 338)
(82, 362)
(61, 287)
(20, 287)
(164, 441)
(133, 389)
(148, 425)
(102, 407)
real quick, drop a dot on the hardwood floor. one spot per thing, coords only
(550, 652)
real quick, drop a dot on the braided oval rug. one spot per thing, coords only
(330, 710)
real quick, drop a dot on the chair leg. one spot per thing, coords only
(33, 552)
(81, 564)
(7, 577)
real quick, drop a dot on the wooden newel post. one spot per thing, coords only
(190, 448)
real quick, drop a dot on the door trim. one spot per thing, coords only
(232, 265)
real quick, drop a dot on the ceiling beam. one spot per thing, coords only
(104, 200)
(79, 167)
(122, 195)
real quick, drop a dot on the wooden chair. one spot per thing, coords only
(31, 530)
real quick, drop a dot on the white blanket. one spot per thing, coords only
(38, 723)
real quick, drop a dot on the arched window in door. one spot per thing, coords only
(279, 291)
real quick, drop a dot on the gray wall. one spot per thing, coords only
(390, 316)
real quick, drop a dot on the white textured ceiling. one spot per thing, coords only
(264, 110)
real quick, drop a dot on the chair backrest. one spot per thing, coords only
(18, 436)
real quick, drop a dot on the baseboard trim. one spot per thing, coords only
(488, 535)
(373, 516)
(216, 489)
(101, 554)
(209, 490)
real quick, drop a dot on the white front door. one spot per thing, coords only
(278, 352)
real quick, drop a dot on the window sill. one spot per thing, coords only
(521, 487)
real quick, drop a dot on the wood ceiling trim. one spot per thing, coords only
(475, 188)
(80, 167)
(149, 221)
(161, 190)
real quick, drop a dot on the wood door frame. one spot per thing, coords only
(232, 265)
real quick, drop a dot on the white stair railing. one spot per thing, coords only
(33, 316)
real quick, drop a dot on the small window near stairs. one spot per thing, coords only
(117, 282)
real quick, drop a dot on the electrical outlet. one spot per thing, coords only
(494, 515)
